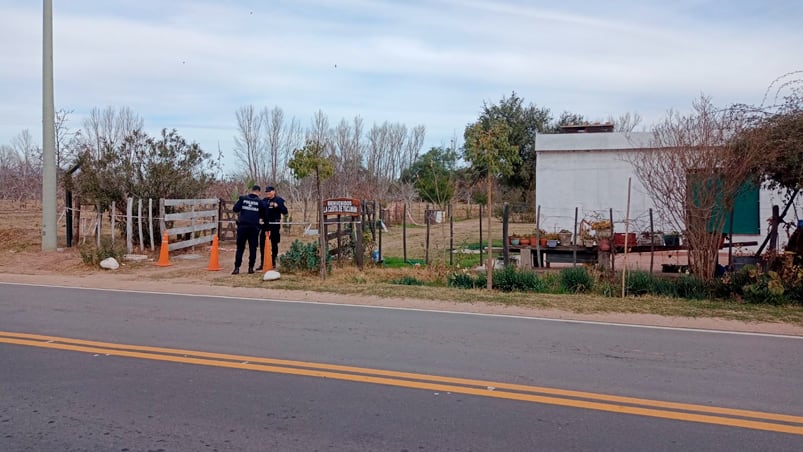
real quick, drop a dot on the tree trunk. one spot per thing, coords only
(490, 266)
(321, 229)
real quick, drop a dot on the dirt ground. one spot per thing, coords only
(22, 261)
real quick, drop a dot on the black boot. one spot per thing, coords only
(236, 271)
(259, 269)
(250, 270)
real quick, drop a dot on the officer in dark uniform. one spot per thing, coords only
(251, 210)
(275, 208)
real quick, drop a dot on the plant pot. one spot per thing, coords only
(672, 240)
(524, 242)
(565, 238)
(515, 242)
(588, 243)
(543, 241)
(551, 243)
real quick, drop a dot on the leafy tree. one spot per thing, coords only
(311, 160)
(432, 174)
(489, 151)
(523, 121)
(779, 132)
(166, 166)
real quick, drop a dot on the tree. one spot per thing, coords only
(432, 175)
(248, 145)
(311, 160)
(489, 150)
(109, 127)
(779, 132)
(694, 171)
(523, 122)
(166, 166)
(281, 137)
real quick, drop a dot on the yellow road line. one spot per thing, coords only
(651, 408)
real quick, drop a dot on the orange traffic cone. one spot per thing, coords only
(214, 261)
(268, 264)
(164, 260)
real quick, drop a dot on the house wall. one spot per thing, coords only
(590, 171)
(594, 182)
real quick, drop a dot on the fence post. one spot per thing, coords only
(139, 225)
(162, 223)
(481, 261)
(99, 221)
(451, 233)
(404, 232)
(114, 213)
(129, 226)
(150, 222)
(427, 215)
(505, 226)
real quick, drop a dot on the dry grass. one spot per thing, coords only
(19, 249)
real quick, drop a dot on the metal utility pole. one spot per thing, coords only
(49, 242)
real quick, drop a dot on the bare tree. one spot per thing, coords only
(67, 140)
(110, 126)
(626, 122)
(248, 146)
(347, 140)
(693, 172)
(281, 137)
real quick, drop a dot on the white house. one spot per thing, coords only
(590, 171)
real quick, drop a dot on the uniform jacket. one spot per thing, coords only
(251, 210)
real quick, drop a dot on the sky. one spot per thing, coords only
(190, 64)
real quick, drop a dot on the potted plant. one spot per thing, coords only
(603, 229)
(539, 235)
(588, 239)
(515, 239)
(552, 239)
(565, 237)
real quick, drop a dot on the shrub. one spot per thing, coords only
(92, 255)
(461, 280)
(576, 280)
(691, 287)
(303, 257)
(511, 279)
(408, 281)
(640, 283)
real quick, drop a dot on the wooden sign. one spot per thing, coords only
(341, 206)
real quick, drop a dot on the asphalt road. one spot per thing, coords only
(123, 371)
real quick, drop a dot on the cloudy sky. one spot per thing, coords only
(189, 64)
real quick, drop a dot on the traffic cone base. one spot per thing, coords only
(214, 256)
(164, 258)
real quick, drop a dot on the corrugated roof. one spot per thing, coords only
(554, 142)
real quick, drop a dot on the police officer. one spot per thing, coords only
(275, 209)
(251, 210)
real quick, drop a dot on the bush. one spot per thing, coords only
(691, 287)
(512, 280)
(92, 255)
(640, 283)
(576, 280)
(461, 280)
(408, 281)
(303, 257)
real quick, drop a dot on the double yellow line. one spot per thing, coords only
(578, 399)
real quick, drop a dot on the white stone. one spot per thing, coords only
(109, 263)
(271, 275)
(135, 257)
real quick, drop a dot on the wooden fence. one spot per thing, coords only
(194, 219)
